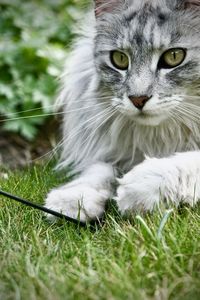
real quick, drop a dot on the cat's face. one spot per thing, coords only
(148, 57)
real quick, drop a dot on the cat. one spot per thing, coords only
(131, 96)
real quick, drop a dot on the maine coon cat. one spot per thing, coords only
(131, 95)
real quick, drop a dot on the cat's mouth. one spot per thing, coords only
(145, 117)
(149, 119)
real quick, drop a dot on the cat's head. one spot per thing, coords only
(147, 53)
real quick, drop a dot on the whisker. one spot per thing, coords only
(93, 119)
(52, 114)
(31, 110)
(186, 116)
(30, 117)
(72, 135)
(177, 118)
(59, 105)
(190, 105)
(191, 96)
(90, 124)
(88, 140)
(188, 112)
(54, 152)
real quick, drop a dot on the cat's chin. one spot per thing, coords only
(149, 120)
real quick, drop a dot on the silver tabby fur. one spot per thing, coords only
(145, 29)
(157, 150)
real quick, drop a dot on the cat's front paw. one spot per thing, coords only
(140, 189)
(175, 179)
(79, 201)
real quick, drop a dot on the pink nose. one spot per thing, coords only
(139, 102)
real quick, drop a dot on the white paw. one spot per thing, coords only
(79, 201)
(140, 189)
(172, 179)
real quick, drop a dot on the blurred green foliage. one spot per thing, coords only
(34, 37)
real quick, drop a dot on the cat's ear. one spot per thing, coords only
(191, 4)
(107, 6)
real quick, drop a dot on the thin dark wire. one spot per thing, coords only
(49, 211)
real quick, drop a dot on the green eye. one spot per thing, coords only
(119, 60)
(172, 58)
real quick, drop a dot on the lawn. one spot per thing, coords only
(148, 257)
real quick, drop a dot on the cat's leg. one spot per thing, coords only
(84, 198)
(174, 179)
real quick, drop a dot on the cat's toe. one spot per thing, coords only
(135, 198)
(139, 190)
(80, 202)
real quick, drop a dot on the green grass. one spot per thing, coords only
(148, 257)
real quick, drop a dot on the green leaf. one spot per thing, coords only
(33, 39)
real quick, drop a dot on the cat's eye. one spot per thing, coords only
(119, 60)
(172, 58)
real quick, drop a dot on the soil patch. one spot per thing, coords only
(16, 152)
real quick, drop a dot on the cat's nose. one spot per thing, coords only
(139, 102)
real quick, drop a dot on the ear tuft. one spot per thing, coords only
(192, 3)
(106, 6)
